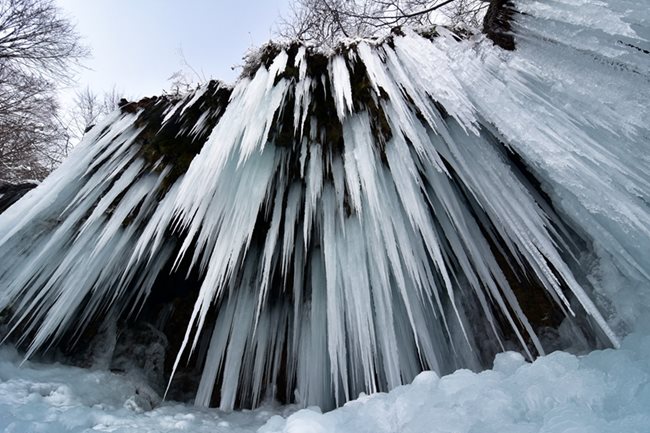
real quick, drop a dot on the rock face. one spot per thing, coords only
(11, 193)
(497, 23)
(336, 223)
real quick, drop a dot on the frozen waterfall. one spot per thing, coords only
(350, 219)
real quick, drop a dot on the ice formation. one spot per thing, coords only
(358, 217)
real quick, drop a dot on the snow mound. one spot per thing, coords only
(605, 391)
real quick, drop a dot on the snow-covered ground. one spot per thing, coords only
(56, 398)
(604, 391)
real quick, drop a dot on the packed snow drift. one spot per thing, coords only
(336, 223)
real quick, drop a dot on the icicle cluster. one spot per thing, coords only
(356, 218)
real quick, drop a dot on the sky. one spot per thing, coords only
(137, 44)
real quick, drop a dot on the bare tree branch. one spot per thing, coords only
(325, 22)
(38, 49)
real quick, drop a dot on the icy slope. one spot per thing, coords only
(399, 205)
(604, 392)
(582, 70)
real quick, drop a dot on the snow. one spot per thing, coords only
(377, 254)
(54, 398)
(604, 391)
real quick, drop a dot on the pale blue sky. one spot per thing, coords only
(135, 43)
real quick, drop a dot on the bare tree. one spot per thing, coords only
(186, 78)
(29, 131)
(467, 12)
(38, 48)
(89, 107)
(325, 22)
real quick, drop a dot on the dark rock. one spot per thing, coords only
(11, 193)
(496, 24)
